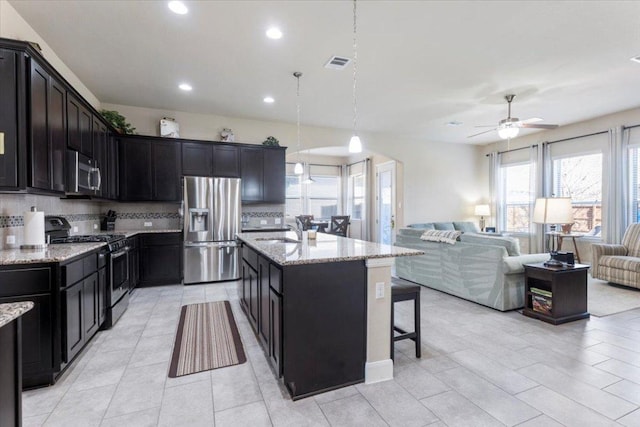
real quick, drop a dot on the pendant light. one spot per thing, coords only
(355, 145)
(298, 169)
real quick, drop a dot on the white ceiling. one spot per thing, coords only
(421, 64)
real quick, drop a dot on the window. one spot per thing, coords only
(517, 197)
(356, 196)
(320, 199)
(580, 177)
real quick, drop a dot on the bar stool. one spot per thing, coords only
(406, 292)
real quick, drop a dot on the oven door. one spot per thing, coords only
(119, 274)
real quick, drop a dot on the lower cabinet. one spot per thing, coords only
(160, 259)
(134, 262)
(81, 305)
(40, 327)
(262, 303)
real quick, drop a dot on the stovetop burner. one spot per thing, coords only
(107, 238)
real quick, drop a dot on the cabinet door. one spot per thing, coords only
(134, 262)
(274, 175)
(74, 337)
(243, 286)
(252, 174)
(160, 264)
(58, 134)
(166, 171)
(39, 143)
(253, 299)
(197, 159)
(263, 302)
(79, 125)
(226, 161)
(100, 150)
(90, 306)
(102, 296)
(275, 331)
(135, 170)
(9, 117)
(113, 170)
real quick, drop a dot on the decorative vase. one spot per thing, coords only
(566, 228)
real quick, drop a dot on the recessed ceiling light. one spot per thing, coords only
(454, 123)
(274, 33)
(185, 86)
(268, 100)
(636, 59)
(178, 7)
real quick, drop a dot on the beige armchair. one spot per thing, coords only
(619, 263)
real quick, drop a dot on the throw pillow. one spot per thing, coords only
(441, 236)
(466, 226)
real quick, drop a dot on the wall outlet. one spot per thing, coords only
(263, 222)
(148, 224)
(11, 240)
(278, 221)
(379, 290)
(95, 226)
(75, 229)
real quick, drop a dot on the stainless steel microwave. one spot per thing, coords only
(83, 174)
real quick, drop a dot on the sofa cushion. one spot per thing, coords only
(444, 226)
(466, 226)
(620, 262)
(509, 243)
(443, 236)
(423, 226)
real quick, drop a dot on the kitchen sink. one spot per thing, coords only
(276, 240)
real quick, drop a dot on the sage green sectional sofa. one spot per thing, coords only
(481, 268)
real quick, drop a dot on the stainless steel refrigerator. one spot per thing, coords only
(212, 211)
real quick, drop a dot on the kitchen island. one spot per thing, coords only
(321, 308)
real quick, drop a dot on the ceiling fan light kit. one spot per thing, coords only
(510, 127)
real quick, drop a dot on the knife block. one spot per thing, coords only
(107, 224)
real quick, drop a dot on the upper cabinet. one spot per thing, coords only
(263, 174)
(79, 122)
(12, 120)
(150, 169)
(210, 159)
(47, 130)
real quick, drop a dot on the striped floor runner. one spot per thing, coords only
(207, 338)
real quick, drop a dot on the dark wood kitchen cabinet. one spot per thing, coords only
(210, 159)
(150, 170)
(48, 130)
(263, 174)
(40, 327)
(134, 261)
(80, 303)
(79, 125)
(12, 120)
(100, 140)
(160, 259)
(113, 169)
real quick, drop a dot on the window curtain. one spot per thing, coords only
(617, 193)
(496, 190)
(536, 173)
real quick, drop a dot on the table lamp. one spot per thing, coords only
(482, 211)
(552, 211)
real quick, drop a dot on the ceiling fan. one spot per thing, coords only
(510, 127)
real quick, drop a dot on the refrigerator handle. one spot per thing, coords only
(181, 209)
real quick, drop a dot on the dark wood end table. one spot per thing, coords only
(568, 288)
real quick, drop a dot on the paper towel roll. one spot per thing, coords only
(33, 228)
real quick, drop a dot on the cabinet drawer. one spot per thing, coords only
(275, 278)
(161, 239)
(538, 274)
(25, 281)
(250, 256)
(73, 272)
(90, 264)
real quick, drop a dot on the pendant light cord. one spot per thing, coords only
(355, 69)
(297, 75)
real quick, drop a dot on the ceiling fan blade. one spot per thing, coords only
(538, 126)
(531, 120)
(485, 126)
(476, 134)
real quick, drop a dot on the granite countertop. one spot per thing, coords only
(325, 248)
(265, 228)
(64, 251)
(13, 310)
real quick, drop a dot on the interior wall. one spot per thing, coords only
(13, 26)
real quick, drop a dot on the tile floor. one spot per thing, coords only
(479, 367)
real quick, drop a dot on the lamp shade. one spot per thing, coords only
(355, 145)
(553, 210)
(483, 210)
(508, 132)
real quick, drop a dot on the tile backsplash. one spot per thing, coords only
(85, 215)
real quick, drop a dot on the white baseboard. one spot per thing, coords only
(375, 372)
